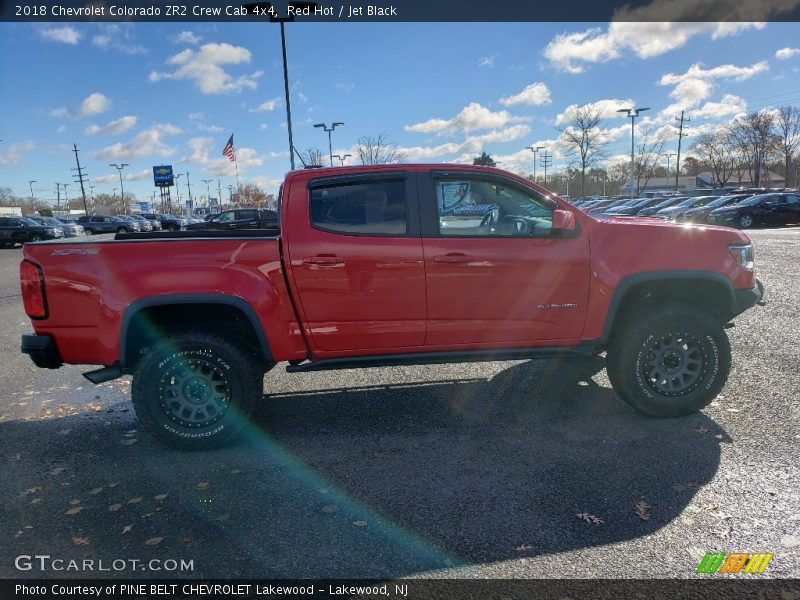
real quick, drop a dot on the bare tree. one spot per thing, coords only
(377, 150)
(649, 152)
(252, 196)
(7, 197)
(314, 157)
(583, 139)
(618, 174)
(787, 125)
(755, 135)
(714, 151)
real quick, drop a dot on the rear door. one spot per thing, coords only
(356, 262)
(496, 274)
(790, 207)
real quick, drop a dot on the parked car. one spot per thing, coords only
(239, 218)
(70, 229)
(672, 212)
(154, 225)
(762, 209)
(19, 230)
(373, 269)
(633, 208)
(700, 214)
(143, 225)
(649, 212)
(619, 202)
(168, 222)
(95, 224)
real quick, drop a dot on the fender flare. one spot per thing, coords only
(235, 301)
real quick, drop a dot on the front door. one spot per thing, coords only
(356, 262)
(496, 274)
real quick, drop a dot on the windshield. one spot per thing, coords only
(669, 202)
(754, 200)
(28, 221)
(724, 200)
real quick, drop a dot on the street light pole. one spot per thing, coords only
(669, 155)
(633, 113)
(119, 168)
(30, 183)
(341, 158)
(208, 192)
(325, 128)
(534, 150)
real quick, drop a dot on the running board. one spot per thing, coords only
(104, 374)
(428, 358)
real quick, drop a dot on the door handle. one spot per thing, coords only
(323, 259)
(453, 257)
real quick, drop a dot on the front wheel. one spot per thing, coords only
(195, 391)
(121, 230)
(745, 221)
(670, 362)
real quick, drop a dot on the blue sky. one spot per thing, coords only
(163, 93)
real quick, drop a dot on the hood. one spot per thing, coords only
(659, 225)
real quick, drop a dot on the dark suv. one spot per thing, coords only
(240, 218)
(98, 224)
(168, 222)
(18, 230)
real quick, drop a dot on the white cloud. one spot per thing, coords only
(263, 126)
(149, 142)
(697, 83)
(786, 53)
(187, 37)
(471, 145)
(267, 106)
(536, 94)
(61, 111)
(201, 152)
(205, 68)
(644, 37)
(608, 108)
(729, 105)
(121, 125)
(64, 35)
(487, 61)
(302, 97)
(94, 104)
(119, 37)
(345, 87)
(472, 117)
(209, 128)
(61, 129)
(11, 156)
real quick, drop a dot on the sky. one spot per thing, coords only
(172, 93)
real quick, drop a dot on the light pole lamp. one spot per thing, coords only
(341, 158)
(669, 155)
(633, 113)
(119, 168)
(534, 150)
(208, 193)
(329, 130)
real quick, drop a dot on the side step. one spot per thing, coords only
(427, 358)
(104, 374)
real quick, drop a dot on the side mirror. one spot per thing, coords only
(563, 220)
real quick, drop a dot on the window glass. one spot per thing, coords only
(792, 199)
(243, 215)
(226, 217)
(373, 208)
(474, 207)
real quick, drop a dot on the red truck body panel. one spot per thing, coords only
(368, 295)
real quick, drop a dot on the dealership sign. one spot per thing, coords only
(162, 176)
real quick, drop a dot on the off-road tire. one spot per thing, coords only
(196, 390)
(671, 361)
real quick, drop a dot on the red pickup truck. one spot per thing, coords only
(387, 265)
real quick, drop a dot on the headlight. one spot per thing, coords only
(743, 253)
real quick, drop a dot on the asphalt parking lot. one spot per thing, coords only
(478, 470)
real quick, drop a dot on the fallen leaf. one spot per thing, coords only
(74, 502)
(36, 501)
(153, 541)
(360, 523)
(202, 486)
(58, 471)
(126, 529)
(145, 515)
(113, 485)
(723, 534)
(160, 497)
(80, 541)
(115, 507)
(523, 548)
(642, 510)
(710, 505)
(235, 471)
(701, 430)
(135, 500)
(95, 491)
(74, 511)
(30, 491)
(590, 518)
(129, 442)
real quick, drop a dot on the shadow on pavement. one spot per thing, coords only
(373, 482)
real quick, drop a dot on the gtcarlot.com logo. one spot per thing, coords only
(45, 562)
(734, 562)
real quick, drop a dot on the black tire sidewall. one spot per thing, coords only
(627, 353)
(244, 379)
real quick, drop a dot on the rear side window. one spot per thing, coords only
(369, 208)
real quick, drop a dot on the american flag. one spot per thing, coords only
(228, 149)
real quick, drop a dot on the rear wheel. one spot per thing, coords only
(121, 230)
(195, 391)
(36, 238)
(745, 221)
(670, 362)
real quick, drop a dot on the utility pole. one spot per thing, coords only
(189, 187)
(208, 192)
(58, 196)
(681, 135)
(547, 160)
(176, 177)
(230, 194)
(669, 155)
(219, 194)
(33, 202)
(80, 179)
